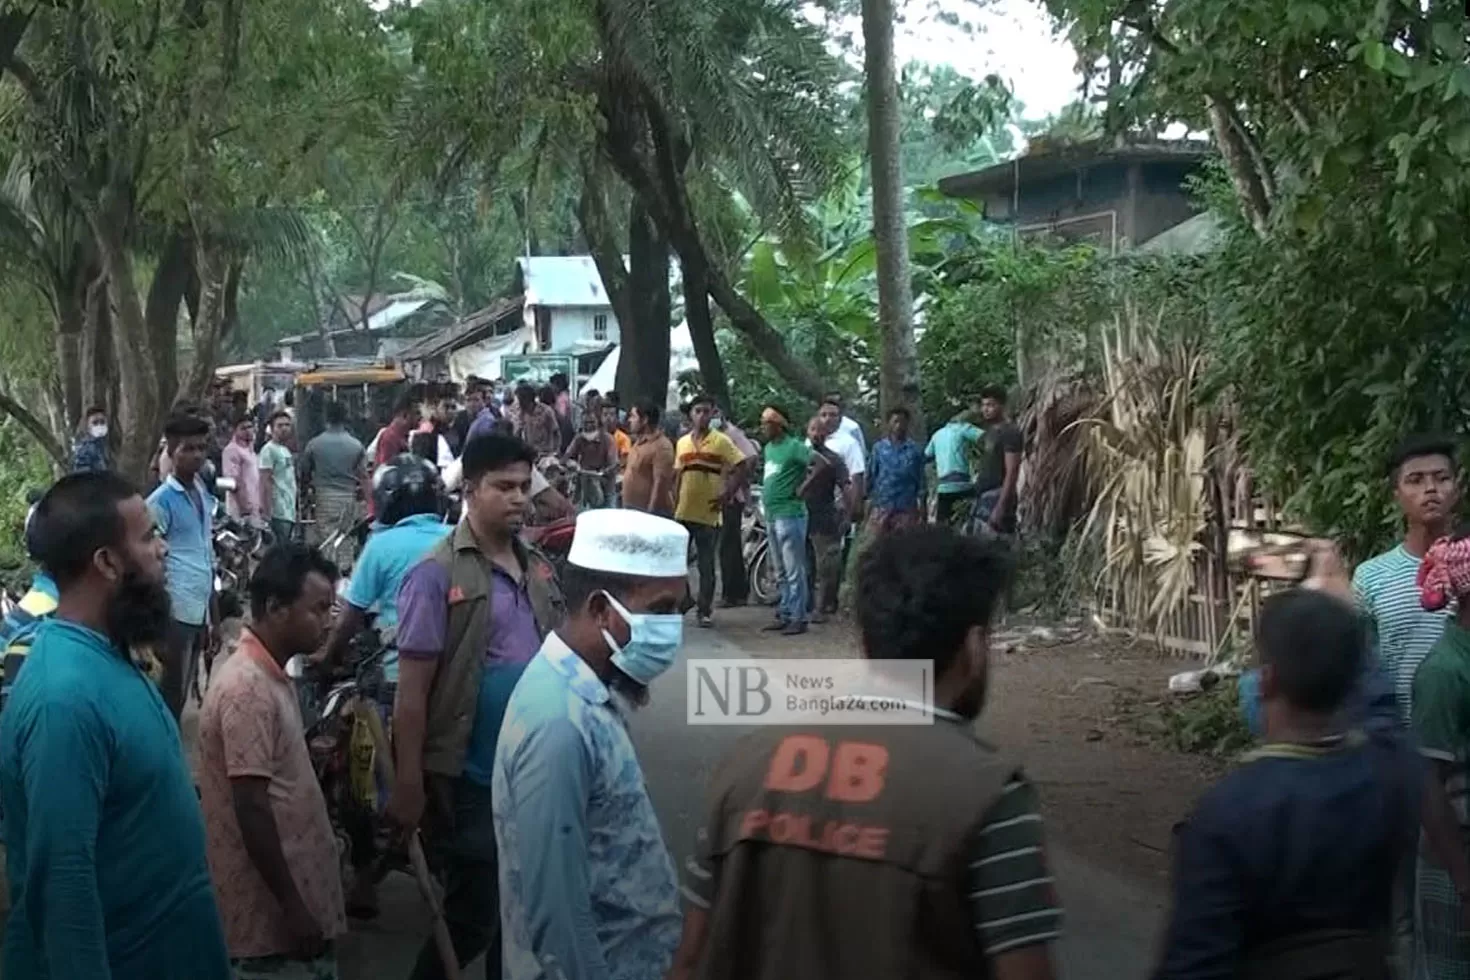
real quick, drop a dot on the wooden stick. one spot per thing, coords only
(382, 754)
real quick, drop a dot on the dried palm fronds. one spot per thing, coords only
(1147, 455)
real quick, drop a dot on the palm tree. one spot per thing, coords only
(899, 366)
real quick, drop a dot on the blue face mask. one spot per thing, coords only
(653, 643)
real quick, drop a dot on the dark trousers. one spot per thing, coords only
(734, 586)
(706, 542)
(459, 831)
(945, 504)
(180, 660)
(283, 531)
(826, 575)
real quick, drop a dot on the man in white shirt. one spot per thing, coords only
(846, 424)
(852, 453)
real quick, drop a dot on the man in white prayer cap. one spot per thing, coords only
(572, 815)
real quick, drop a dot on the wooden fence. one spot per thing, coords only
(1216, 617)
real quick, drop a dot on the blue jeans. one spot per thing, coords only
(788, 541)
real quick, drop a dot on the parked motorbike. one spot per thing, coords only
(345, 727)
(553, 540)
(590, 489)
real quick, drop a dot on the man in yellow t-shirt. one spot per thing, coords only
(708, 470)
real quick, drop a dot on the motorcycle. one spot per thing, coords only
(553, 540)
(346, 727)
(591, 489)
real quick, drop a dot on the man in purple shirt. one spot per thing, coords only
(484, 419)
(444, 764)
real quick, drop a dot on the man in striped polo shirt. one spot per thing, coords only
(1427, 491)
(881, 850)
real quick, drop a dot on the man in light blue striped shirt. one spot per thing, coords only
(1427, 490)
(587, 887)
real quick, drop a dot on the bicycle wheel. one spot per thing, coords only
(765, 586)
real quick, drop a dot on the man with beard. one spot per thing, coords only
(271, 847)
(588, 890)
(922, 855)
(184, 510)
(470, 615)
(104, 840)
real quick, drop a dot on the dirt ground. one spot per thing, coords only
(1111, 795)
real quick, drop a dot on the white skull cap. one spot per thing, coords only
(630, 542)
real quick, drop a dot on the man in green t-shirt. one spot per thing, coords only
(786, 461)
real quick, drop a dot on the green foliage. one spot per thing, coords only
(1208, 723)
(1338, 306)
(26, 467)
(969, 341)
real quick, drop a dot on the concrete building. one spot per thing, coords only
(557, 306)
(566, 306)
(1117, 197)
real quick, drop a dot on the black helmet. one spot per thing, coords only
(404, 486)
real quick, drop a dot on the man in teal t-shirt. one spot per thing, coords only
(950, 449)
(104, 839)
(786, 460)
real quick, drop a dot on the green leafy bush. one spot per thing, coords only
(23, 467)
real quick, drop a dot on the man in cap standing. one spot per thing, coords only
(573, 818)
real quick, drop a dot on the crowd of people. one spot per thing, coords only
(512, 758)
(1337, 849)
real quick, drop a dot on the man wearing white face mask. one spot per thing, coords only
(89, 454)
(573, 818)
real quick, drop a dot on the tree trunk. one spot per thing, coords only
(98, 364)
(1250, 188)
(899, 367)
(603, 246)
(215, 267)
(38, 429)
(141, 380)
(702, 332)
(643, 365)
(165, 294)
(669, 207)
(70, 326)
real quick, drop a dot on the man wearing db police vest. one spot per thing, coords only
(841, 852)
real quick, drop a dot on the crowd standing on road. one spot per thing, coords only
(1336, 849)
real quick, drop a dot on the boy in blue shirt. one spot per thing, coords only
(184, 510)
(1287, 866)
(406, 499)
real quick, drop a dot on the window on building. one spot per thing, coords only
(599, 328)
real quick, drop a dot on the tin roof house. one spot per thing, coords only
(557, 306)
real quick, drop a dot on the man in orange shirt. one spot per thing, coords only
(648, 476)
(272, 852)
(707, 469)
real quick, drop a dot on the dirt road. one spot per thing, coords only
(1099, 795)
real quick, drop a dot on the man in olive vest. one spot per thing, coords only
(470, 617)
(918, 851)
